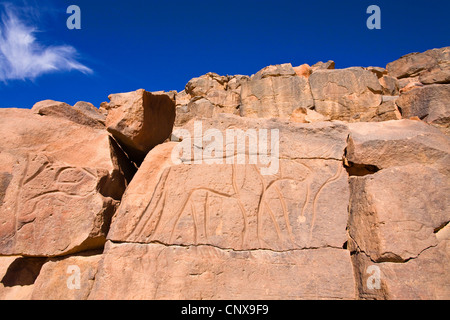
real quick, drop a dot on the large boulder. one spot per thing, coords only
(398, 211)
(397, 143)
(61, 182)
(155, 271)
(345, 94)
(209, 95)
(429, 103)
(399, 234)
(437, 74)
(91, 111)
(225, 217)
(140, 120)
(67, 278)
(275, 92)
(395, 212)
(63, 110)
(418, 64)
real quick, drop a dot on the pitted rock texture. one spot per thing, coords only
(305, 182)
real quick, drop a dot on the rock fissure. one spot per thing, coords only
(351, 200)
(226, 248)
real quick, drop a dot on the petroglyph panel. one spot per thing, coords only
(234, 206)
(154, 271)
(51, 208)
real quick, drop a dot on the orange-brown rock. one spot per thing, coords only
(345, 94)
(275, 92)
(209, 95)
(397, 143)
(303, 71)
(295, 183)
(429, 103)
(68, 278)
(234, 205)
(140, 120)
(63, 110)
(61, 182)
(226, 223)
(155, 271)
(415, 64)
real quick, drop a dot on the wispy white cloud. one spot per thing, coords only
(23, 57)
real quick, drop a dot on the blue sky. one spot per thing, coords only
(161, 45)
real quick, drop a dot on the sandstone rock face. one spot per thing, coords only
(397, 143)
(323, 65)
(391, 224)
(225, 213)
(140, 120)
(209, 95)
(234, 206)
(69, 278)
(398, 223)
(61, 184)
(209, 273)
(275, 92)
(345, 94)
(429, 103)
(415, 64)
(422, 278)
(63, 110)
(390, 85)
(91, 111)
(437, 74)
(294, 183)
(17, 276)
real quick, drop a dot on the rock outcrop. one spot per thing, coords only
(61, 182)
(304, 182)
(139, 121)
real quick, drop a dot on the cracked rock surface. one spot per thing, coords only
(339, 189)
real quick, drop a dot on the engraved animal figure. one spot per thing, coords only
(52, 196)
(235, 206)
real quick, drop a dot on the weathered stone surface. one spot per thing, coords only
(52, 208)
(155, 271)
(200, 107)
(303, 71)
(17, 277)
(275, 92)
(394, 212)
(380, 72)
(202, 85)
(386, 111)
(429, 103)
(221, 91)
(437, 74)
(68, 278)
(323, 65)
(209, 95)
(63, 110)
(398, 222)
(408, 84)
(235, 206)
(345, 94)
(414, 64)
(140, 120)
(423, 278)
(390, 85)
(397, 143)
(304, 115)
(238, 206)
(63, 180)
(91, 111)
